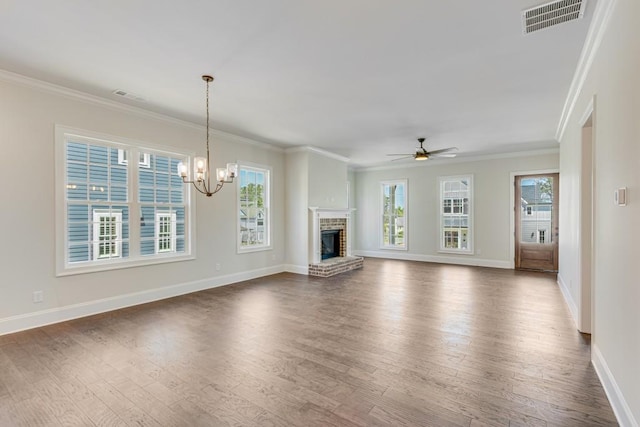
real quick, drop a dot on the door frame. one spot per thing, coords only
(512, 211)
(587, 216)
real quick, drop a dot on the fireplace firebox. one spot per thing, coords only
(330, 243)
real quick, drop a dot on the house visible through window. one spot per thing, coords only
(107, 234)
(165, 232)
(394, 213)
(108, 220)
(455, 214)
(144, 158)
(253, 208)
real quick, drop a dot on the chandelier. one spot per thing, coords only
(201, 179)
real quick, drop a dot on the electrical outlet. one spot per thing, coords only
(38, 296)
(217, 266)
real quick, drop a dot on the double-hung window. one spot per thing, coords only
(111, 213)
(253, 208)
(455, 217)
(394, 205)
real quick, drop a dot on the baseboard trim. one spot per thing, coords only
(618, 403)
(568, 299)
(462, 260)
(297, 269)
(60, 314)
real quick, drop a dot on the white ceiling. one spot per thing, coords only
(359, 78)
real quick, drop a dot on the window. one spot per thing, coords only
(541, 236)
(394, 215)
(165, 232)
(99, 194)
(144, 158)
(456, 214)
(253, 208)
(107, 232)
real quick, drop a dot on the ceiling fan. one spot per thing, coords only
(423, 154)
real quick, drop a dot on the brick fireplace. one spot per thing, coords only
(338, 221)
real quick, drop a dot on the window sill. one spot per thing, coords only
(251, 249)
(96, 267)
(456, 252)
(393, 248)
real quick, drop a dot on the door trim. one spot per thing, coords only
(512, 212)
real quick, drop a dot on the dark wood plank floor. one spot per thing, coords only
(394, 344)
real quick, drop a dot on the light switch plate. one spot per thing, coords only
(620, 196)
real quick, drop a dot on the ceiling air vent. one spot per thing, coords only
(550, 14)
(128, 95)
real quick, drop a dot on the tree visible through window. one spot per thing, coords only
(394, 206)
(253, 203)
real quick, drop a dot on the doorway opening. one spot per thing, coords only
(536, 222)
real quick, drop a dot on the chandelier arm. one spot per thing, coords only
(206, 192)
(219, 186)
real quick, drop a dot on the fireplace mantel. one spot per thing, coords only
(317, 214)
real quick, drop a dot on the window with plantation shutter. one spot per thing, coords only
(112, 213)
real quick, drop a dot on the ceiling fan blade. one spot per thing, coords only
(442, 155)
(401, 158)
(403, 154)
(443, 150)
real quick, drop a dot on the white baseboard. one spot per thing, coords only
(618, 403)
(298, 269)
(568, 299)
(462, 260)
(54, 315)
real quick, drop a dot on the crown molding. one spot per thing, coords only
(308, 148)
(10, 77)
(599, 23)
(469, 159)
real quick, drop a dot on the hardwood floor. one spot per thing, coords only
(394, 344)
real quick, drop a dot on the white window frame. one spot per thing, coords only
(98, 214)
(266, 245)
(160, 216)
(405, 241)
(145, 158)
(135, 148)
(442, 200)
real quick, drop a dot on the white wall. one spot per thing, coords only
(314, 179)
(27, 193)
(327, 181)
(492, 207)
(297, 210)
(613, 80)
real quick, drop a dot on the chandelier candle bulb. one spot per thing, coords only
(222, 174)
(232, 170)
(183, 170)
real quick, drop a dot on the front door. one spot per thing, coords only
(536, 222)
